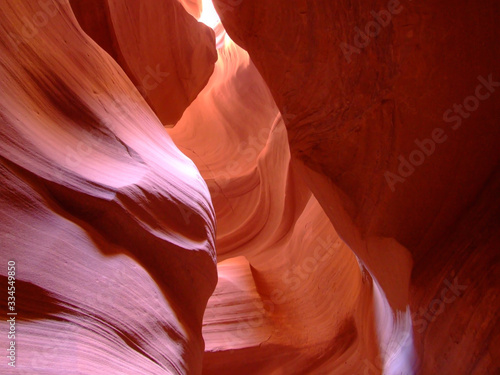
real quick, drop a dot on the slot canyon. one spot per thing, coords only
(250, 187)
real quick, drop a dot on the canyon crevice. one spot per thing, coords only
(294, 188)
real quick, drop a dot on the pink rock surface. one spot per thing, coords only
(314, 307)
(166, 53)
(110, 225)
(283, 165)
(352, 118)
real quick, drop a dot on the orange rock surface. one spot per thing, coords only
(302, 188)
(110, 225)
(169, 61)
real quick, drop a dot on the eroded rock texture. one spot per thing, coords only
(111, 226)
(346, 185)
(300, 302)
(163, 49)
(353, 118)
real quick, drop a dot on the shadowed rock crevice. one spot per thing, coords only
(312, 192)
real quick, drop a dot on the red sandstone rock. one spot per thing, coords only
(305, 300)
(166, 53)
(110, 225)
(353, 117)
(336, 256)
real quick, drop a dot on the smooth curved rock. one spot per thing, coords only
(353, 129)
(110, 225)
(166, 53)
(335, 254)
(274, 313)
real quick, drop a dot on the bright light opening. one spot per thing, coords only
(208, 15)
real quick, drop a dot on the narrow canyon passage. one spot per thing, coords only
(249, 187)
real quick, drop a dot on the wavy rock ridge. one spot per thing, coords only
(335, 165)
